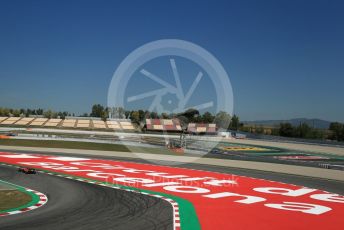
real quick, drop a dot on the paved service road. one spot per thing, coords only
(77, 205)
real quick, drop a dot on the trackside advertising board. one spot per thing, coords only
(220, 201)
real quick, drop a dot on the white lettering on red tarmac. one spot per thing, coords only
(133, 180)
(247, 200)
(177, 187)
(80, 170)
(285, 191)
(216, 198)
(98, 165)
(19, 156)
(160, 184)
(329, 197)
(103, 175)
(300, 207)
(69, 158)
(220, 182)
(43, 164)
(136, 171)
(196, 178)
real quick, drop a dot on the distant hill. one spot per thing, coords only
(316, 123)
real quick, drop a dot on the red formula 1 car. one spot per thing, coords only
(27, 170)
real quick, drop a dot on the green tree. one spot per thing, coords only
(22, 111)
(222, 119)
(303, 131)
(235, 123)
(141, 115)
(50, 114)
(40, 111)
(207, 117)
(259, 129)
(336, 129)
(341, 136)
(135, 117)
(62, 115)
(286, 130)
(28, 112)
(154, 115)
(165, 116)
(16, 112)
(97, 111)
(105, 114)
(191, 115)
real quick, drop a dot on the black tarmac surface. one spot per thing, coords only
(82, 206)
(77, 205)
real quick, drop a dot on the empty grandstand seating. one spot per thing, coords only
(98, 124)
(113, 125)
(24, 121)
(120, 125)
(163, 124)
(71, 122)
(202, 128)
(52, 122)
(126, 125)
(38, 122)
(83, 124)
(10, 120)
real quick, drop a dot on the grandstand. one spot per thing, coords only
(174, 125)
(10, 120)
(113, 125)
(169, 125)
(83, 123)
(163, 125)
(197, 128)
(24, 121)
(120, 125)
(98, 124)
(38, 122)
(69, 122)
(52, 122)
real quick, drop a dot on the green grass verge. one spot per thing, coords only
(16, 197)
(83, 145)
(188, 215)
(10, 199)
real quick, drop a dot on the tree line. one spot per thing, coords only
(336, 131)
(221, 119)
(303, 130)
(9, 112)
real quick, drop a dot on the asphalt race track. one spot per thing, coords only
(77, 205)
(318, 183)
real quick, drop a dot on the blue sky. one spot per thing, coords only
(285, 58)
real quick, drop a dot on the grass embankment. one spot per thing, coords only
(10, 199)
(83, 145)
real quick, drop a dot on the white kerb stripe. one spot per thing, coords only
(18, 156)
(68, 158)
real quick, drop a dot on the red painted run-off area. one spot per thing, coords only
(221, 201)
